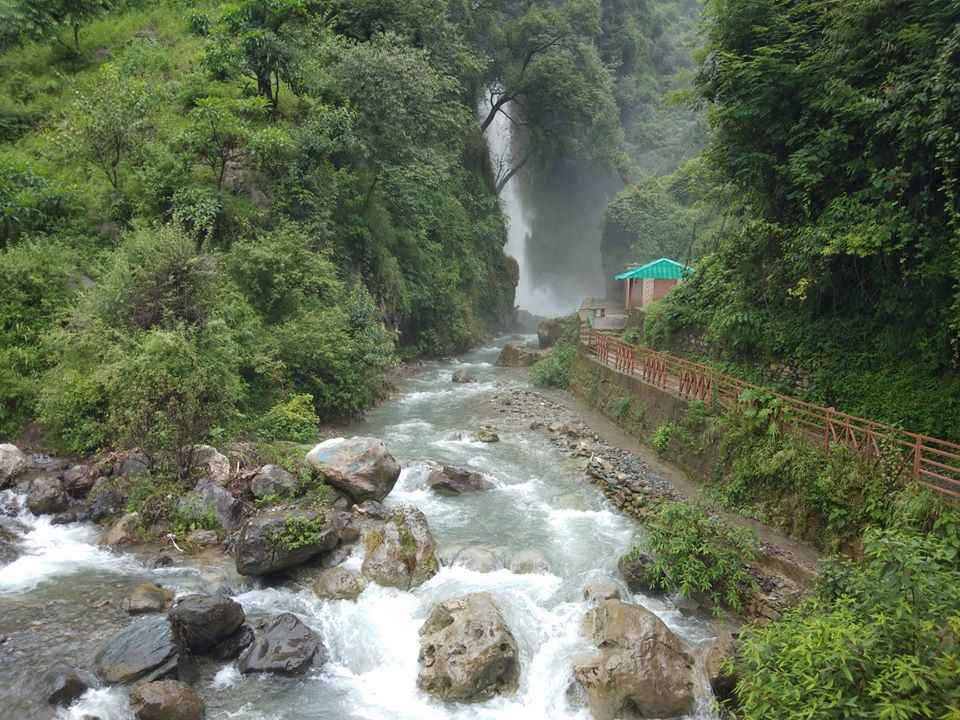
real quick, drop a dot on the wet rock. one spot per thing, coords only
(233, 646)
(147, 598)
(722, 650)
(46, 496)
(467, 652)
(63, 684)
(635, 568)
(78, 480)
(360, 467)
(451, 480)
(549, 332)
(12, 463)
(283, 646)
(147, 649)
(162, 561)
(529, 562)
(259, 551)
(273, 481)
(125, 531)
(374, 510)
(338, 583)
(209, 498)
(211, 464)
(9, 546)
(167, 700)
(517, 356)
(202, 621)
(597, 592)
(463, 377)
(640, 669)
(487, 434)
(403, 553)
(478, 559)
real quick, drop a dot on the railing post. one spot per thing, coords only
(917, 453)
(826, 428)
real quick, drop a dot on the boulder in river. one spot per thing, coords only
(487, 434)
(273, 481)
(146, 649)
(9, 546)
(467, 652)
(167, 700)
(12, 463)
(722, 682)
(125, 531)
(202, 621)
(635, 568)
(63, 684)
(104, 500)
(233, 646)
(640, 670)
(263, 547)
(209, 499)
(360, 467)
(597, 592)
(478, 559)
(452, 480)
(402, 552)
(46, 496)
(147, 598)
(517, 356)
(284, 646)
(463, 377)
(338, 583)
(529, 562)
(78, 480)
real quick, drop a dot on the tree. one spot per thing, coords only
(217, 132)
(45, 18)
(262, 39)
(107, 121)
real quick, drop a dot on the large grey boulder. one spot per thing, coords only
(283, 646)
(167, 700)
(261, 550)
(125, 531)
(209, 497)
(203, 621)
(716, 664)
(640, 670)
(46, 496)
(147, 650)
(233, 646)
(78, 481)
(402, 552)
(360, 467)
(63, 684)
(12, 463)
(452, 480)
(467, 652)
(338, 583)
(273, 481)
(514, 355)
(635, 569)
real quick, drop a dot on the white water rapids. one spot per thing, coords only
(50, 597)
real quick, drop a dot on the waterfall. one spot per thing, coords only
(539, 300)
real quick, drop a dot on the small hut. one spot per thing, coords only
(652, 281)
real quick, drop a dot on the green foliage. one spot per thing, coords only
(193, 513)
(43, 19)
(879, 641)
(299, 531)
(620, 409)
(554, 369)
(698, 554)
(294, 420)
(660, 440)
(157, 501)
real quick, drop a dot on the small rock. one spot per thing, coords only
(487, 434)
(167, 700)
(478, 559)
(212, 464)
(462, 377)
(162, 561)
(597, 592)
(147, 649)
(46, 496)
(338, 583)
(147, 598)
(273, 481)
(451, 480)
(635, 570)
(203, 538)
(63, 684)
(283, 646)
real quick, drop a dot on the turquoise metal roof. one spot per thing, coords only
(662, 269)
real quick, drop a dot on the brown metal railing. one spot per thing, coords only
(933, 462)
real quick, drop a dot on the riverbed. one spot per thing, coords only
(62, 597)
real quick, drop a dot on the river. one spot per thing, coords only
(52, 599)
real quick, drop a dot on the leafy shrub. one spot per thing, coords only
(660, 440)
(194, 514)
(696, 553)
(293, 419)
(554, 369)
(879, 640)
(299, 531)
(620, 408)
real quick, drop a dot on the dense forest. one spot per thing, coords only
(823, 210)
(214, 213)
